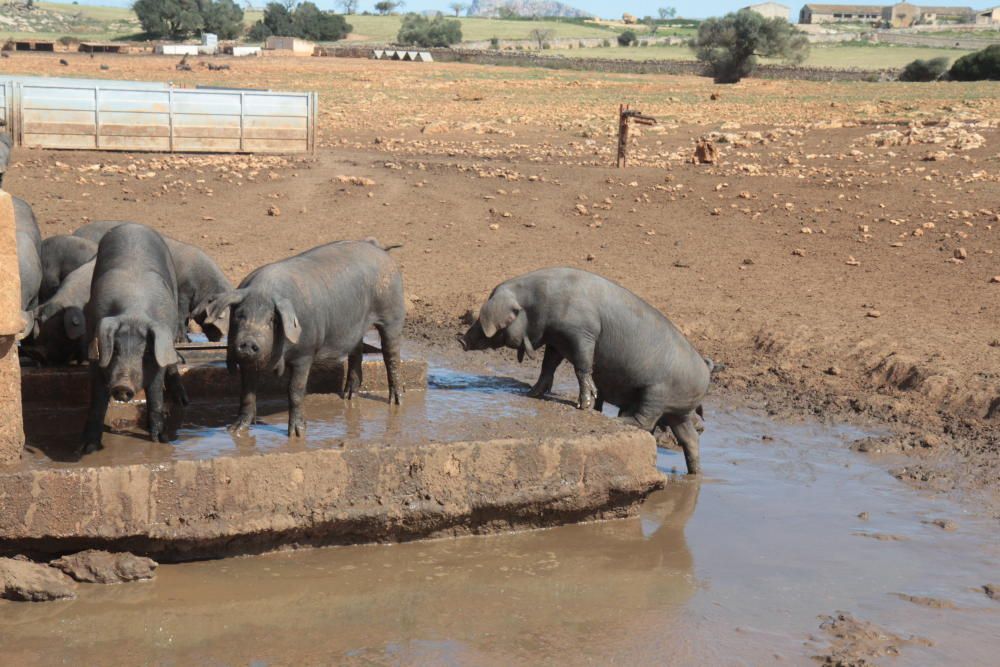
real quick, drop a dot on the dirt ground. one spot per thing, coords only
(838, 258)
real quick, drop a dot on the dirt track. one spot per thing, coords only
(829, 273)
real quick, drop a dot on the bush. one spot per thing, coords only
(978, 66)
(605, 43)
(731, 44)
(627, 38)
(924, 70)
(306, 21)
(68, 40)
(494, 42)
(418, 30)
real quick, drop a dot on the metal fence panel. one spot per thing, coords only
(46, 113)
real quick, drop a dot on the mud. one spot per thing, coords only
(742, 567)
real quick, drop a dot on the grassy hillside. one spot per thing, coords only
(384, 28)
(864, 57)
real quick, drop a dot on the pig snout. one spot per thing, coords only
(249, 348)
(122, 393)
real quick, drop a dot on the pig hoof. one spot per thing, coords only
(395, 397)
(541, 388)
(239, 425)
(297, 428)
(89, 447)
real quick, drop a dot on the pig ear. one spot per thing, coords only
(163, 345)
(74, 323)
(103, 343)
(217, 307)
(498, 312)
(289, 321)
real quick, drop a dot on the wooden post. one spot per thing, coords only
(11, 324)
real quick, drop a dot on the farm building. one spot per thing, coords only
(289, 46)
(104, 47)
(176, 49)
(988, 17)
(771, 10)
(899, 15)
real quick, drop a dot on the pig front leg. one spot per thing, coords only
(550, 362)
(248, 400)
(94, 427)
(296, 393)
(154, 407)
(582, 357)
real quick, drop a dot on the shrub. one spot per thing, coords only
(419, 30)
(978, 66)
(68, 40)
(731, 44)
(605, 43)
(924, 70)
(494, 42)
(222, 17)
(627, 38)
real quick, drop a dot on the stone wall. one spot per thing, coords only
(11, 324)
(951, 42)
(678, 67)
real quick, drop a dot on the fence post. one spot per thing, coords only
(11, 324)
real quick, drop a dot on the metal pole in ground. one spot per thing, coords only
(11, 324)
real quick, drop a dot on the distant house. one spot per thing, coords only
(988, 16)
(899, 15)
(771, 10)
(289, 46)
(176, 49)
(812, 13)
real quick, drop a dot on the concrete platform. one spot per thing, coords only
(469, 455)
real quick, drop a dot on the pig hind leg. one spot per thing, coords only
(353, 380)
(391, 336)
(99, 398)
(550, 362)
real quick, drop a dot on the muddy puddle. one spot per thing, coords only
(734, 569)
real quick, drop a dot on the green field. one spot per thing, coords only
(864, 57)
(89, 11)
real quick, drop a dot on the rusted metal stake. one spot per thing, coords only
(625, 114)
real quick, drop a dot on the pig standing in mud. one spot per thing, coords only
(60, 333)
(198, 279)
(624, 351)
(131, 320)
(62, 255)
(318, 304)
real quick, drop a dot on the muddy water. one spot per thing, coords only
(733, 569)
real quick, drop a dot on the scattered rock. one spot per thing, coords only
(995, 279)
(943, 524)
(102, 567)
(27, 581)
(273, 211)
(882, 537)
(873, 313)
(359, 181)
(851, 261)
(863, 516)
(933, 603)
(960, 253)
(857, 643)
(834, 370)
(799, 252)
(992, 591)
(582, 210)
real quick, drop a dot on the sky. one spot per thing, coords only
(603, 8)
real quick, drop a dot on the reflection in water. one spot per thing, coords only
(533, 597)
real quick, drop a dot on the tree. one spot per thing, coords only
(541, 37)
(419, 30)
(384, 7)
(222, 17)
(732, 44)
(651, 25)
(305, 20)
(175, 19)
(309, 22)
(978, 66)
(666, 13)
(627, 38)
(458, 7)
(349, 6)
(924, 70)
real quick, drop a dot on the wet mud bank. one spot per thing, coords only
(467, 455)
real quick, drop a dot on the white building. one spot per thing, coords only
(772, 10)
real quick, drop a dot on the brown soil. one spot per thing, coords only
(838, 258)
